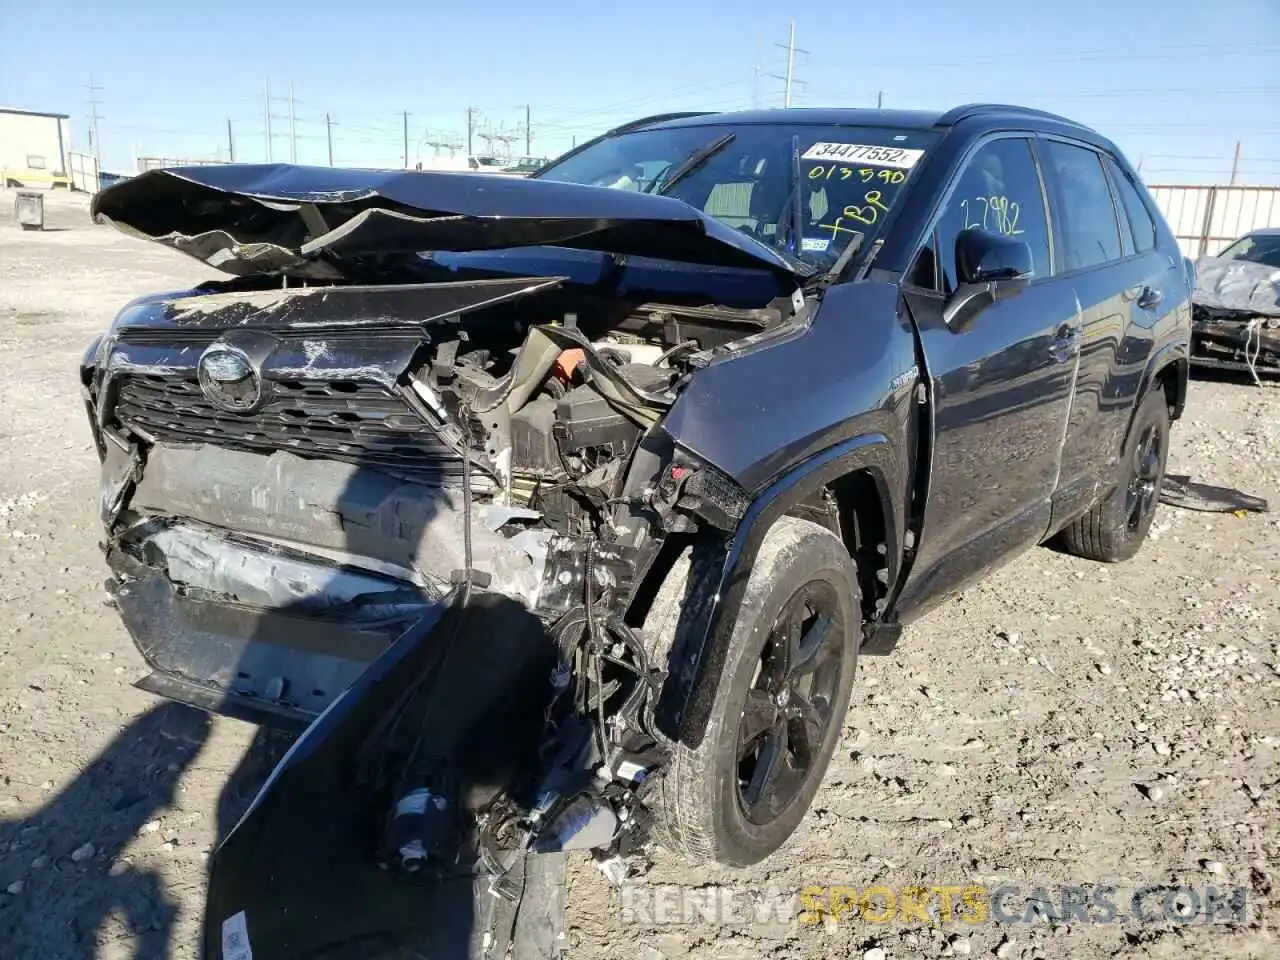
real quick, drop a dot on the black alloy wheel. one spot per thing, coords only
(1116, 525)
(1148, 472)
(790, 705)
(738, 786)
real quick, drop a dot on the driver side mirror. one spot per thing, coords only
(990, 267)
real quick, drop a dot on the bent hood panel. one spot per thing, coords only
(278, 218)
(1238, 285)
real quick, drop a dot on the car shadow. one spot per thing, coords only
(78, 896)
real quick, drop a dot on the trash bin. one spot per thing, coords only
(28, 210)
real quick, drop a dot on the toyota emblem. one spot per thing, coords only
(228, 379)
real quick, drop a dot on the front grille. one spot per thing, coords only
(343, 420)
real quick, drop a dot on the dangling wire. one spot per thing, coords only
(1253, 332)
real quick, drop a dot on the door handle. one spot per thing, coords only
(1064, 343)
(1150, 298)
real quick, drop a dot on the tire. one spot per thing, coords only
(717, 802)
(1116, 525)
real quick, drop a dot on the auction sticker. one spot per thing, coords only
(235, 938)
(903, 158)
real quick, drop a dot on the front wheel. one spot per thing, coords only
(1115, 527)
(778, 710)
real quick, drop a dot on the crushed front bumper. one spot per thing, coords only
(261, 585)
(1234, 340)
(280, 664)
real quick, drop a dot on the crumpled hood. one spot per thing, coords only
(1238, 285)
(307, 221)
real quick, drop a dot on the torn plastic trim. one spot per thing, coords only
(122, 467)
(684, 708)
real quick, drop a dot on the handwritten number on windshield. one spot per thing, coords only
(836, 171)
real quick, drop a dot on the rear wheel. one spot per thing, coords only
(780, 705)
(1115, 527)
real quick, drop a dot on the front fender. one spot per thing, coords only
(697, 662)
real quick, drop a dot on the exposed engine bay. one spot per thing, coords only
(295, 477)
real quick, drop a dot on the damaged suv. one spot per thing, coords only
(1235, 309)
(698, 414)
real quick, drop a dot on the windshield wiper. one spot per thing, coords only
(791, 230)
(693, 162)
(832, 275)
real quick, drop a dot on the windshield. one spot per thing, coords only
(1261, 248)
(746, 176)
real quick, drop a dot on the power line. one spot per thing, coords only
(1173, 52)
(661, 99)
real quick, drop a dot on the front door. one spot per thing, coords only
(1001, 389)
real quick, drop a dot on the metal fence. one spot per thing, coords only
(84, 173)
(1207, 218)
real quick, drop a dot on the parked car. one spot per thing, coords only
(713, 433)
(1236, 306)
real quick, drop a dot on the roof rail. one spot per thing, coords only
(963, 112)
(657, 118)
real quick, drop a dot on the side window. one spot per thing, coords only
(998, 190)
(1090, 232)
(1141, 225)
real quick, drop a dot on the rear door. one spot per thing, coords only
(1107, 239)
(1001, 388)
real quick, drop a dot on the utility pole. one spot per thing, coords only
(94, 103)
(293, 129)
(266, 103)
(406, 139)
(328, 130)
(789, 77)
(231, 143)
(471, 127)
(879, 99)
(1235, 164)
(528, 131)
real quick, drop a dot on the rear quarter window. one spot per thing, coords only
(1141, 225)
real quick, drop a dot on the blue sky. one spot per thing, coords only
(1174, 82)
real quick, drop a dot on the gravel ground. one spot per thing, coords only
(1063, 723)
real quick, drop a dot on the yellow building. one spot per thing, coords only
(35, 148)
